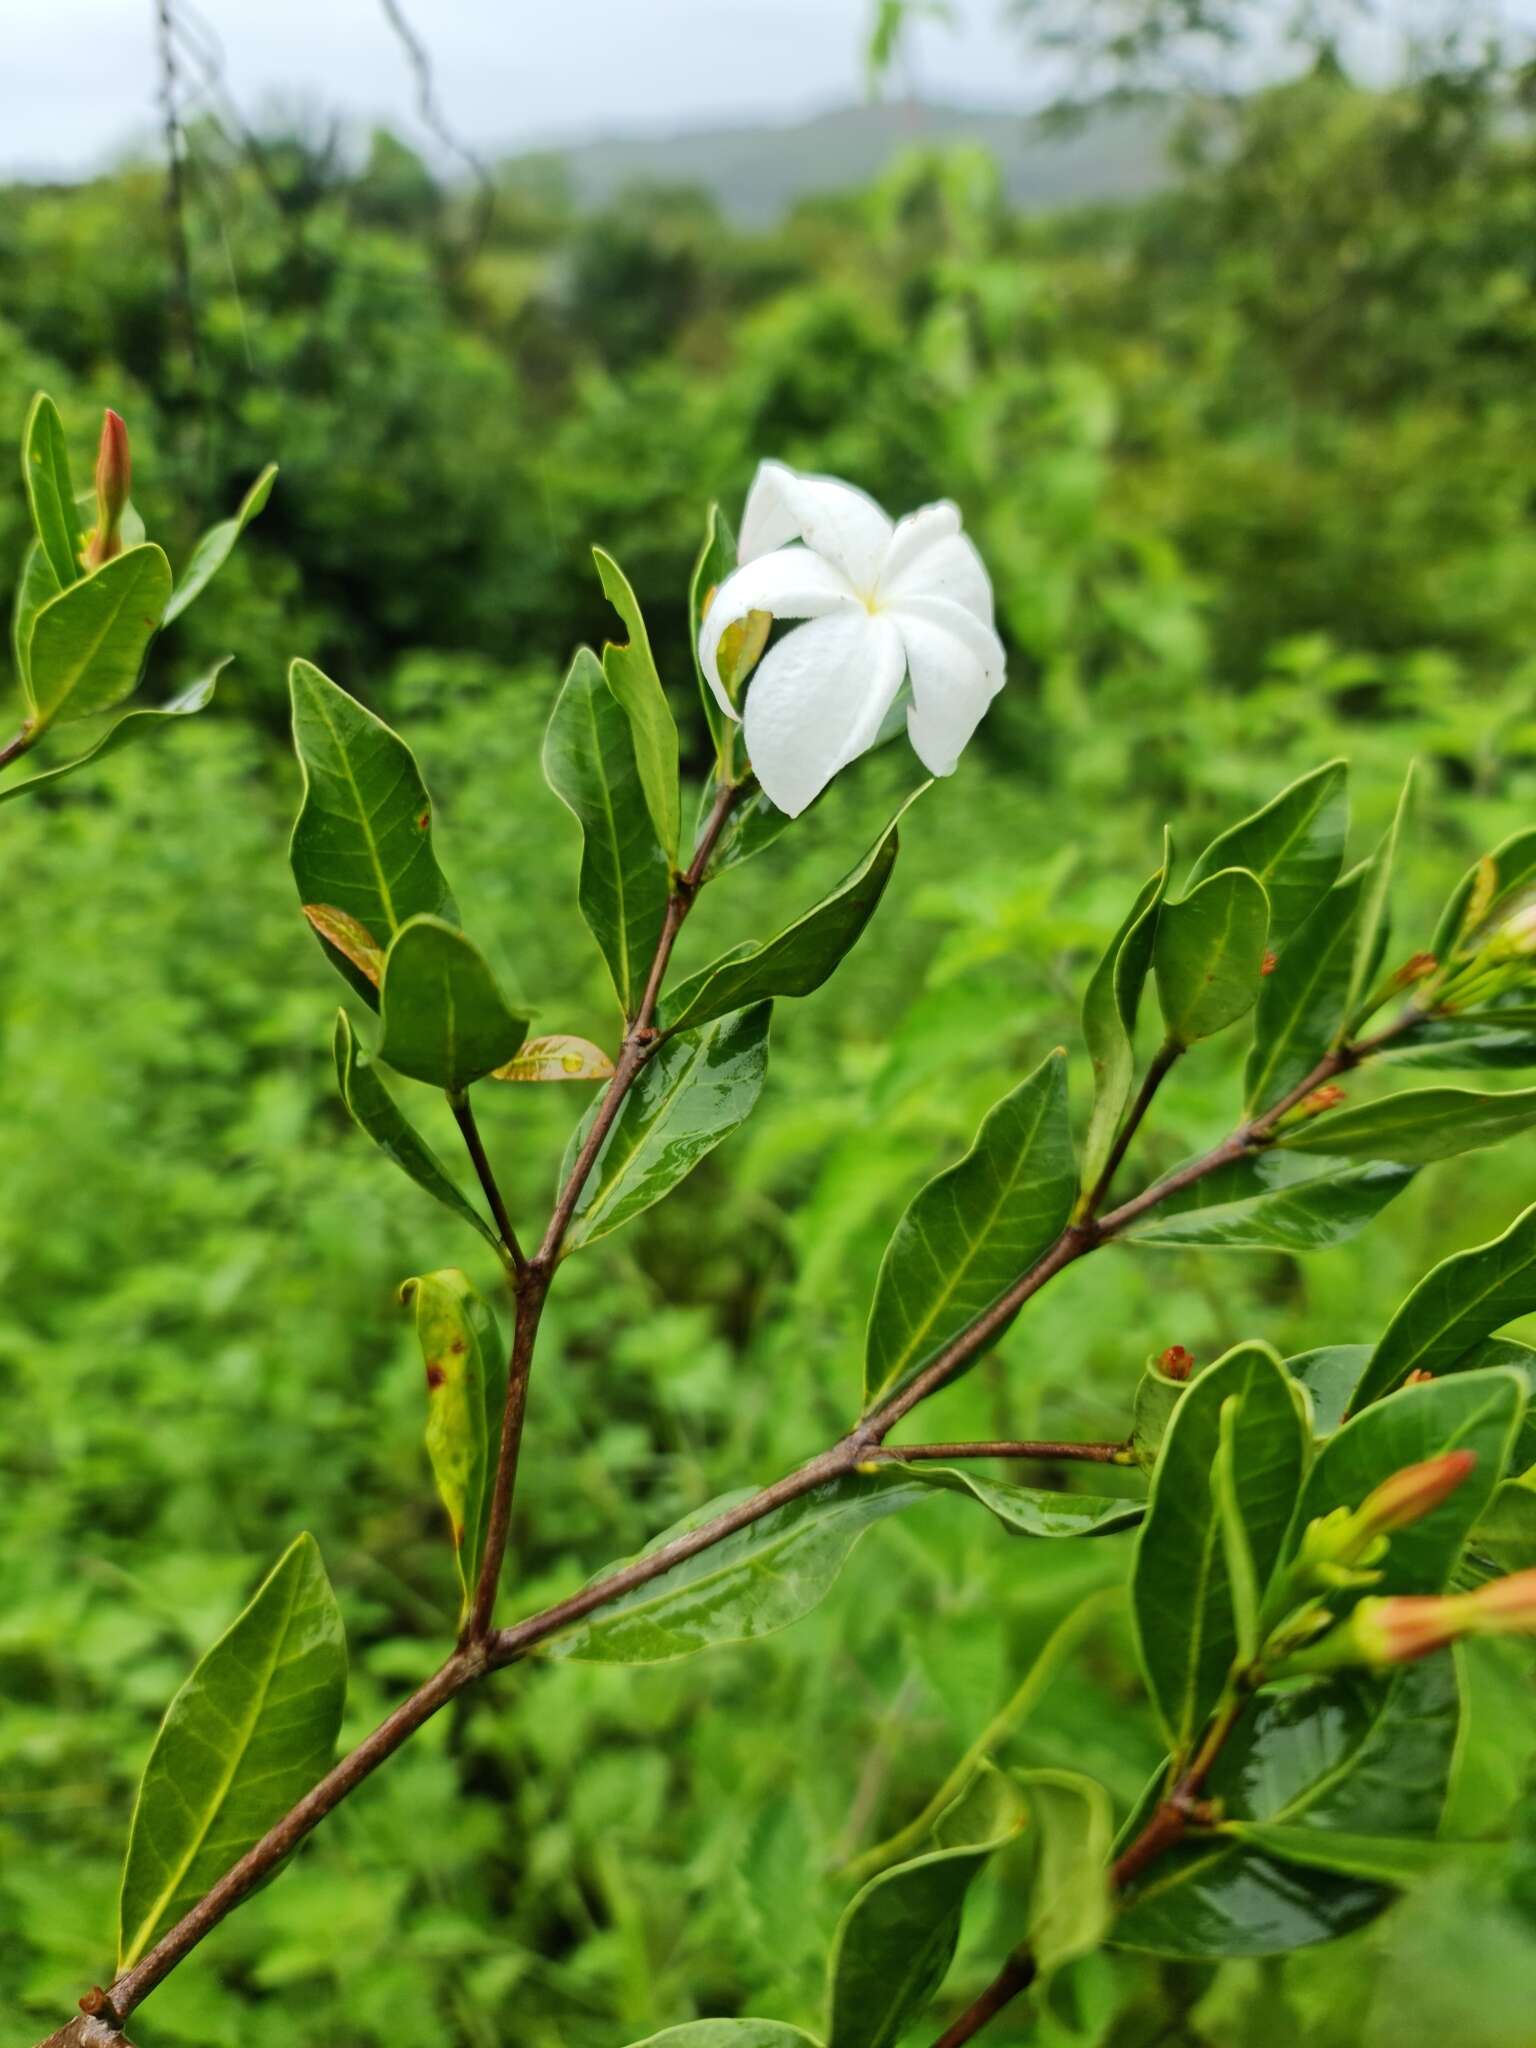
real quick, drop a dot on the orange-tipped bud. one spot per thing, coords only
(1270, 961)
(1320, 1099)
(1506, 1606)
(1416, 968)
(1404, 1627)
(114, 477)
(1419, 1377)
(1408, 1496)
(1176, 1363)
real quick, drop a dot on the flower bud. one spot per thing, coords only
(1176, 1363)
(1419, 1377)
(1270, 961)
(1505, 1606)
(1518, 933)
(113, 479)
(1406, 1626)
(1328, 1097)
(1415, 968)
(1408, 1496)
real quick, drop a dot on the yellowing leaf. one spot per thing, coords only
(557, 1058)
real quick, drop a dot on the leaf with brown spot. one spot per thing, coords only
(459, 1350)
(557, 1058)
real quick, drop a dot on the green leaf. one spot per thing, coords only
(1151, 1412)
(589, 762)
(1357, 1757)
(1501, 1036)
(1033, 1510)
(1513, 864)
(445, 1020)
(1181, 1587)
(729, 2034)
(1306, 999)
(1462, 1300)
(362, 841)
(803, 955)
(1294, 846)
(972, 1231)
(1273, 1201)
(51, 495)
(461, 1355)
(748, 1585)
(1109, 1019)
(1237, 1554)
(631, 672)
(1373, 924)
(1397, 1860)
(1208, 955)
(1330, 1375)
(1505, 1539)
(218, 544)
(373, 1109)
(897, 1939)
(1072, 1827)
(690, 1095)
(716, 560)
(1473, 1411)
(36, 585)
(249, 1733)
(1414, 1128)
(88, 643)
(142, 723)
(753, 826)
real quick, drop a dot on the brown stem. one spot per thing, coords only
(504, 1646)
(532, 1291)
(1016, 1975)
(1094, 1454)
(464, 1117)
(14, 748)
(1162, 1065)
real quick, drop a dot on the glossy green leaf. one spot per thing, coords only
(1374, 920)
(1496, 1739)
(218, 544)
(1513, 865)
(1504, 1540)
(589, 762)
(690, 1095)
(88, 643)
(1473, 1411)
(35, 586)
(972, 1231)
(1294, 846)
(362, 840)
(1501, 1036)
(748, 1585)
(1358, 1757)
(1303, 1003)
(897, 1939)
(445, 1020)
(1033, 1510)
(373, 1109)
(250, 1732)
(1417, 1127)
(1462, 1300)
(729, 2034)
(1397, 1860)
(51, 495)
(1273, 1201)
(1181, 1586)
(461, 1356)
(1072, 1828)
(141, 723)
(1109, 1019)
(752, 827)
(631, 671)
(716, 560)
(803, 955)
(1208, 955)
(1330, 1375)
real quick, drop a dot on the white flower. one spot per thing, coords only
(884, 602)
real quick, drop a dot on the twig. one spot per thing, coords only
(1161, 1066)
(15, 748)
(469, 1130)
(505, 1646)
(175, 196)
(432, 117)
(1016, 1975)
(1045, 1453)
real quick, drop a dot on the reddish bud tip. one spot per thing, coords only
(114, 477)
(1419, 1377)
(1408, 1496)
(1320, 1099)
(1415, 968)
(1176, 1363)
(1270, 962)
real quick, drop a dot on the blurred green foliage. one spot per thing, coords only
(1251, 466)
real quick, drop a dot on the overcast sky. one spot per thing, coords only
(78, 77)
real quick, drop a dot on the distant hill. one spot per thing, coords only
(756, 173)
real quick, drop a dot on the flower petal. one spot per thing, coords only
(792, 584)
(837, 520)
(817, 702)
(957, 668)
(930, 557)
